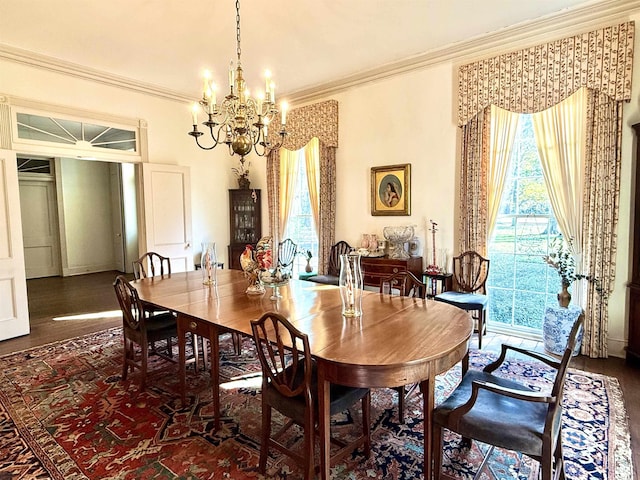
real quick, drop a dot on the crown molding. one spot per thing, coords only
(571, 21)
(32, 59)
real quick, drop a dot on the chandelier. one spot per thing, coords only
(240, 121)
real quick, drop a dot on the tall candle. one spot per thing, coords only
(267, 81)
(285, 106)
(194, 114)
(205, 82)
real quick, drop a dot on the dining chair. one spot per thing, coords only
(141, 329)
(508, 414)
(470, 272)
(287, 250)
(332, 276)
(147, 264)
(406, 284)
(289, 384)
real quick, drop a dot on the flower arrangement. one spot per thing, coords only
(242, 170)
(242, 174)
(562, 261)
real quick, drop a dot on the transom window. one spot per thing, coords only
(71, 132)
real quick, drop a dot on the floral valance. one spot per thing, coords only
(316, 120)
(539, 77)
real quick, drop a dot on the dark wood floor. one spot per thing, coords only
(55, 304)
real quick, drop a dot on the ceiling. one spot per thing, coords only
(305, 43)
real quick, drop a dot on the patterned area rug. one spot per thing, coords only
(66, 414)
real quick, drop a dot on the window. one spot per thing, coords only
(300, 227)
(520, 283)
(70, 132)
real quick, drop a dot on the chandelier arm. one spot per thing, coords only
(215, 144)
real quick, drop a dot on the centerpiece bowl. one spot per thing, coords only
(397, 236)
(274, 278)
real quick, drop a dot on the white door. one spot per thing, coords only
(39, 226)
(167, 213)
(117, 216)
(14, 307)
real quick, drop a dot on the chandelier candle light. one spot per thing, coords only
(239, 121)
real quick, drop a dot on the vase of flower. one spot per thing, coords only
(564, 297)
(244, 182)
(242, 174)
(560, 258)
(308, 268)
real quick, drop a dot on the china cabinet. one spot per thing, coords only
(245, 217)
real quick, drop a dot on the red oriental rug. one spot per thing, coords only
(66, 414)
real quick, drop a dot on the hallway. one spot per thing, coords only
(59, 308)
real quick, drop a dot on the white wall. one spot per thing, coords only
(86, 220)
(407, 118)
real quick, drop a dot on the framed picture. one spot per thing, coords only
(391, 190)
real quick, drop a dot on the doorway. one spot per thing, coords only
(79, 216)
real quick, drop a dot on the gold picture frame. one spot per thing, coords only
(391, 190)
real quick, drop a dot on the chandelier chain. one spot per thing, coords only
(238, 51)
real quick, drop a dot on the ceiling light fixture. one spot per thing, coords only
(239, 121)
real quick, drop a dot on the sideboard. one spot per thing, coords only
(376, 268)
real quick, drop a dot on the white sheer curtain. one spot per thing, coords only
(503, 129)
(560, 136)
(312, 158)
(288, 178)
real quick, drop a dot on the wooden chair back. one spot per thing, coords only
(130, 304)
(470, 272)
(404, 282)
(340, 248)
(287, 250)
(284, 355)
(150, 263)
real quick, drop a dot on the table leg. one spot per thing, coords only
(324, 417)
(182, 358)
(215, 374)
(427, 387)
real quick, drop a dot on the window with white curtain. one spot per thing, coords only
(300, 227)
(520, 283)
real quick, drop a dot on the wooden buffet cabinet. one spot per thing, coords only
(245, 217)
(376, 268)
(633, 346)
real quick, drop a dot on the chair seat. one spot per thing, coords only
(497, 419)
(160, 321)
(342, 397)
(465, 301)
(325, 279)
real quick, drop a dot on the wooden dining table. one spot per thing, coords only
(397, 340)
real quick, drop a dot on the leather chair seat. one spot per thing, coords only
(342, 397)
(496, 419)
(466, 301)
(159, 323)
